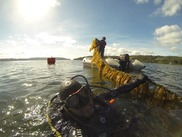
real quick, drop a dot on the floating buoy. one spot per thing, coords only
(51, 60)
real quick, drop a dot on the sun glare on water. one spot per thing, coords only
(33, 10)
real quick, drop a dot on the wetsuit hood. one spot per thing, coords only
(68, 87)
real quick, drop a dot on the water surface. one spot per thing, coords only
(26, 87)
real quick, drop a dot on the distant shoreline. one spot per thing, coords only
(173, 60)
(24, 59)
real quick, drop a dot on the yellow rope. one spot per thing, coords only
(50, 124)
(159, 93)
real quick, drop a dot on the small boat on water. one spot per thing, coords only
(134, 65)
(51, 60)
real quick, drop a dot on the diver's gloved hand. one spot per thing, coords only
(142, 78)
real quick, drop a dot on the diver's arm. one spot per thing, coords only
(124, 88)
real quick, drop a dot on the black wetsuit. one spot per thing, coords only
(101, 48)
(106, 121)
(124, 63)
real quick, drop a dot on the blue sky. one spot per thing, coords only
(66, 28)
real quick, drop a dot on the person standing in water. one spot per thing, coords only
(102, 44)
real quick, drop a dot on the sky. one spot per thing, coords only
(66, 28)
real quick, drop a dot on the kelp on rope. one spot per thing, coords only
(157, 93)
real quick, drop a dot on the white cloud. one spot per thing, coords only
(46, 45)
(173, 49)
(46, 38)
(168, 35)
(157, 2)
(141, 1)
(115, 44)
(116, 51)
(169, 8)
(41, 45)
(176, 50)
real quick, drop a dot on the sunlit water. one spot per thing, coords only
(26, 87)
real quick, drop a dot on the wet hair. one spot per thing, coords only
(68, 87)
(127, 57)
(124, 57)
(103, 38)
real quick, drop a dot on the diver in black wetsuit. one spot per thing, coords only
(76, 112)
(124, 61)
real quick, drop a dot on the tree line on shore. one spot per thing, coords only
(159, 59)
(175, 60)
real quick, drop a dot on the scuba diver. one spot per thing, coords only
(76, 112)
(124, 62)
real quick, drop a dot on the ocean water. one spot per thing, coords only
(27, 86)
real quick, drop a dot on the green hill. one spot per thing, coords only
(175, 60)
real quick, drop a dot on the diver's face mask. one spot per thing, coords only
(79, 98)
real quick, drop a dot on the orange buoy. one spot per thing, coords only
(51, 60)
